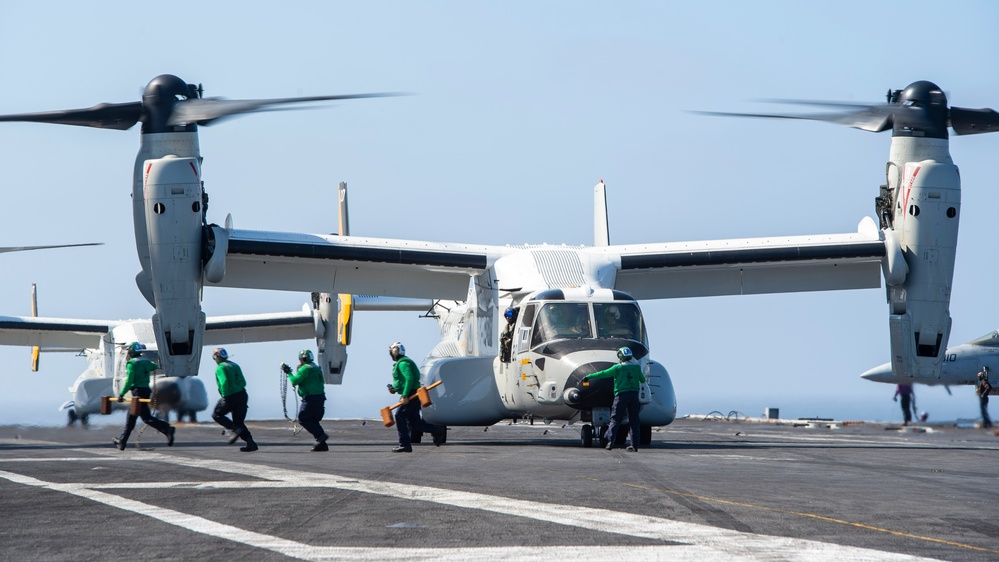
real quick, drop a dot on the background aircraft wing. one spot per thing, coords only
(4, 249)
(751, 265)
(248, 328)
(353, 264)
(53, 334)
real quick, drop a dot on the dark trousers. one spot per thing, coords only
(408, 420)
(906, 408)
(235, 403)
(625, 403)
(310, 413)
(144, 413)
(983, 403)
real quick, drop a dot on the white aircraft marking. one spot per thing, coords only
(701, 542)
(853, 440)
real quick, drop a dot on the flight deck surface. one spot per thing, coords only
(705, 490)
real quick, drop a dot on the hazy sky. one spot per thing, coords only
(520, 108)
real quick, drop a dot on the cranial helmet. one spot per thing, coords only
(624, 354)
(220, 354)
(135, 349)
(397, 350)
(305, 356)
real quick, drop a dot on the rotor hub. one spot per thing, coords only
(923, 113)
(922, 93)
(158, 100)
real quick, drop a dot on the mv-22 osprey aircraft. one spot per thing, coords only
(104, 344)
(564, 296)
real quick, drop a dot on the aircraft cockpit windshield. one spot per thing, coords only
(573, 320)
(990, 339)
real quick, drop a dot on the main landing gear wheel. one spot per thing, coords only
(586, 435)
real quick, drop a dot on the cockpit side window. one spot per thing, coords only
(619, 320)
(527, 316)
(563, 320)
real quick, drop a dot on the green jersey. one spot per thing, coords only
(137, 372)
(627, 377)
(309, 380)
(230, 379)
(405, 376)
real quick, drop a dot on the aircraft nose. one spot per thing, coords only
(881, 373)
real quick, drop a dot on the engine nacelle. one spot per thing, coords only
(172, 189)
(928, 203)
(469, 395)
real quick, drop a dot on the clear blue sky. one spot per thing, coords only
(521, 108)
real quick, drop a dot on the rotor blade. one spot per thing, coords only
(973, 121)
(4, 249)
(216, 120)
(200, 110)
(835, 104)
(870, 118)
(120, 116)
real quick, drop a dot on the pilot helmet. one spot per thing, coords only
(625, 355)
(220, 355)
(613, 312)
(397, 350)
(305, 356)
(135, 349)
(510, 315)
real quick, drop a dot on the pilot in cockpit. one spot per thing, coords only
(612, 323)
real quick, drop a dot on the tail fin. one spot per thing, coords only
(346, 316)
(35, 351)
(335, 310)
(601, 233)
(343, 224)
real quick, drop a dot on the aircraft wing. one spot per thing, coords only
(353, 264)
(58, 333)
(751, 265)
(249, 328)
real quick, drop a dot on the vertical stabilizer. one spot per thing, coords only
(601, 234)
(346, 313)
(35, 351)
(343, 225)
(334, 313)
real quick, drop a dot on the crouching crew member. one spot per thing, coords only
(628, 379)
(137, 371)
(232, 389)
(308, 378)
(405, 381)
